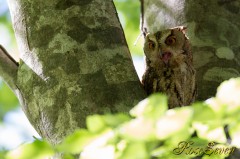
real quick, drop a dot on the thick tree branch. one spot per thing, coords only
(8, 68)
(75, 62)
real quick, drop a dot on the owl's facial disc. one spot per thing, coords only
(166, 56)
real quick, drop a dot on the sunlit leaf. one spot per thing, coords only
(135, 150)
(234, 131)
(152, 107)
(36, 150)
(140, 129)
(174, 121)
(181, 135)
(105, 152)
(204, 114)
(191, 148)
(217, 106)
(164, 152)
(114, 120)
(100, 148)
(204, 132)
(213, 157)
(68, 156)
(198, 142)
(97, 123)
(76, 142)
(229, 93)
(218, 151)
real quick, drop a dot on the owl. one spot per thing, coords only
(169, 66)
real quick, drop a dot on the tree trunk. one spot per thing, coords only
(74, 62)
(213, 29)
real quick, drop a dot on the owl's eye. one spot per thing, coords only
(171, 40)
(151, 45)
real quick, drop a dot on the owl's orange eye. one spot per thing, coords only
(170, 40)
(151, 45)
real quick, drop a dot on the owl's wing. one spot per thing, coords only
(191, 84)
(148, 81)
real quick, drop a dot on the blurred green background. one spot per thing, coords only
(129, 14)
(14, 127)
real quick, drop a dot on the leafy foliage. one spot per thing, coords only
(153, 131)
(36, 150)
(8, 100)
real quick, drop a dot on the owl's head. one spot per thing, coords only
(165, 46)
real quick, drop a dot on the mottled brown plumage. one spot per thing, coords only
(169, 66)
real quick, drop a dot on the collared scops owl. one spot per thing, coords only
(169, 66)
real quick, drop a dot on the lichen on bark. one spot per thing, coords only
(74, 62)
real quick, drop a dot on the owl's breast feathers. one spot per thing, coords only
(176, 82)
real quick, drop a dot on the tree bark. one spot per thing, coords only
(8, 68)
(74, 62)
(213, 29)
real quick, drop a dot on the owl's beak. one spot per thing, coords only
(166, 56)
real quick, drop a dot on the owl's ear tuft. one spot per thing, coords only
(183, 29)
(147, 36)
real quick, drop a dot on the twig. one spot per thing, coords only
(142, 15)
(8, 68)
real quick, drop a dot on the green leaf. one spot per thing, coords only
(218, 151)
(101, 147)
(139, 129)
(114, 120)
(68, 156)
(165, 152)
(217, 106)
(182, 135)
(135, 150)
(191, 148)
(36, 150)
(103, 152)
(198, 142)
(8, 100)
(75, 143)
(204, 132)
(234, 131)
(173, 122)
(229, 93)
(203, 113)
(98, 123)
(213, 157)
(152, 107)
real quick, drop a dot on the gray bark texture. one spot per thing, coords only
(74, 62)
(213, 30)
